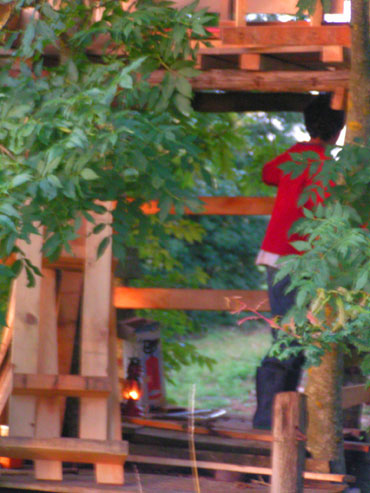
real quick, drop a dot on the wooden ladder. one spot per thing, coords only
(36, 387)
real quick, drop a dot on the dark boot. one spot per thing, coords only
(270, 379)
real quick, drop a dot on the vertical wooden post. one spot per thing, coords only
(48, 408)
(288, 451)
(96, 306)
(24, 353)
(240, 13)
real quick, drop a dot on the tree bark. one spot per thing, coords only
(358, 128)
(324, 403)
(358, 117)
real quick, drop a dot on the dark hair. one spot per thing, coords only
(322, 121)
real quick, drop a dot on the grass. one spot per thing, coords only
(237, 352)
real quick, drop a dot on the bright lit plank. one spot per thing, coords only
(189, 299)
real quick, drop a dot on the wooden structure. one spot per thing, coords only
(37, 378)
(248, 66)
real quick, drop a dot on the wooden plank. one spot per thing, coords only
(332, 54)
(65, 449)
(6, 384)
(224, 206)
(275, 81)
(47, 423)
(261, 435)
(163, 431)
(60, 385)
(240, 458)
(353, 395)
(7, 331)
(114, 408)
(339, 99)
(249, 101)
(73, 264)
(189, 299)
(24, 353)
(95, 342)
(250, 61)
(287, 34)
(217, 466)
(288, 446)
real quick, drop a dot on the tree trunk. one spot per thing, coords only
(358, 127)
(358, 117)
(324, 402)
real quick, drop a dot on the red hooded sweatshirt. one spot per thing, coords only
(286, 210)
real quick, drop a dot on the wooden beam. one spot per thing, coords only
(332, 54)
(65, 449)
(250, 101)
(224, 206)
(47, 420)
(250, 61)
(6, 384)
(226, 456)
(287, 34)
(96, 308)
(352, 395)
(72, 264)
(257, 435)
(189, 299)
(318, 476)
(60, 385)
(25, 341)
(276, 81)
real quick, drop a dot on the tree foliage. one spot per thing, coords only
(84, 130)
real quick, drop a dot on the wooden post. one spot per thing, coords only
(24, 353)
(288, 451)
(96, 308)
(47, 420)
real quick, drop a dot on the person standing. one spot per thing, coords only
(324, 125)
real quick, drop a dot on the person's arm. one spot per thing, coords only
(271, 172)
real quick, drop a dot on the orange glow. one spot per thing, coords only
(8, 463)
(134, 395)
(131, 390)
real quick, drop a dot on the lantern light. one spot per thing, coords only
(132, 390)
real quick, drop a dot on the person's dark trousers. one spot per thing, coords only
(276, 375)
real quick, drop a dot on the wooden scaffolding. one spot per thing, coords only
(246, 66)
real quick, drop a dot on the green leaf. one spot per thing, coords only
(183, 104)
(72, 71)
(103, 246)
(89, 174)
(165, 207)
(184, 87)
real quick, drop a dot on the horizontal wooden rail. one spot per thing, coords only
(287, 34)
(65, 449)
(190, 299)
(218, 466)
(60, 385)
(274, 81)
(222, 206)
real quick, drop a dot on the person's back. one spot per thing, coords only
(324, 126)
